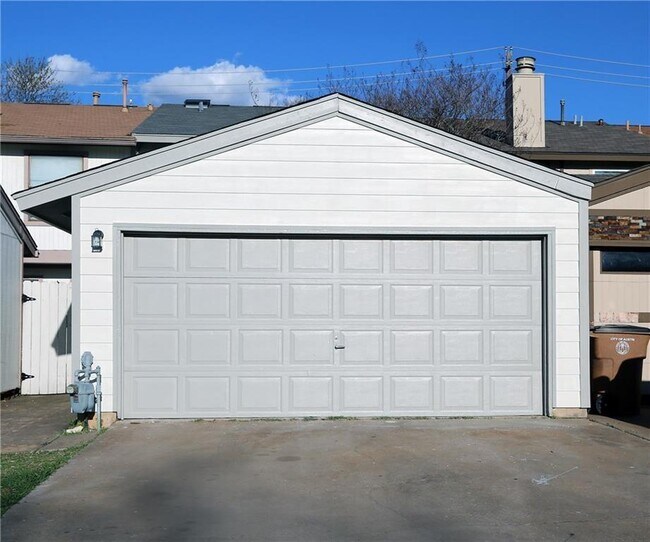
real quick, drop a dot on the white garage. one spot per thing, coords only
(329, 259)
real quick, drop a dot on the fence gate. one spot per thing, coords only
(47, 339)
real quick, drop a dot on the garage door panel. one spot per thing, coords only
(361, 301)
(511, 302)
(260, 301)
(514, 257)
(513, 347)
(153, 346)
(311, 255)
(412, 302)
(259, 255)
(360, 393)
(461, 347)
(207, 395)
(208, 346)
(312, 326)
(511, 393)
(207, 300)
(311, 301)
(259, 394)
(314, 347)
(461, 393)
(154, 394)
(260, 346)
(311, 394)
(153, 300)
(361, 256)
(411, 393)
(461, 301)
(465, 258)
(148, 255)
(208, 255)
(364, 347)
(411, 257)
(412, 347)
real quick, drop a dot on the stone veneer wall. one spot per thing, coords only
(619, 228)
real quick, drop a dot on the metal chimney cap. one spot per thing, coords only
(525, 64)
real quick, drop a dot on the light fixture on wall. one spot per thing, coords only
(96, 241)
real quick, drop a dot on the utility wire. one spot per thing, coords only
(597, 80)
(209, 85)
(592, 71)
(285, 70)
(585, 58)
(288, 83)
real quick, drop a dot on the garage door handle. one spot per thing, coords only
(339, 347)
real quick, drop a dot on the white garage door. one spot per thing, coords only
(319, 326)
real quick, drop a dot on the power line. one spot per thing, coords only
(597, 80)
(287, 83)
(585, 58)
(286, 70)
(596, 72)
(269, 85)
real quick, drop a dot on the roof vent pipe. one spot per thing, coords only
(125, 92)
(525, 64)
(96, 96)
(562, 104)
(575, 119)
(581, 121)
(627, 125)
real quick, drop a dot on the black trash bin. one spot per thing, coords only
(617, 354)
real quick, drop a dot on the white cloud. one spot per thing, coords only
(72, 71)
(223, 83)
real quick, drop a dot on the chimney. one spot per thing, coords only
(562, 104)
(525, 105)
(96, 96)
(125, 92)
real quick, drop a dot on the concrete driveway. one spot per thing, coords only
(494, 479)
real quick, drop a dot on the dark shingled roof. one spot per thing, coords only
(588, 139)
(176, 119)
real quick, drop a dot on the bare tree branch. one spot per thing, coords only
(33, 80)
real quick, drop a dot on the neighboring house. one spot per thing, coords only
(329, 259)
(620, 251)
(15, 242)
(172, 123)
(40, 143)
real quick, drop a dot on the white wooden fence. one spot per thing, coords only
(47, 336)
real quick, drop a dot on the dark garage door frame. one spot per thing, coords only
(545, 236)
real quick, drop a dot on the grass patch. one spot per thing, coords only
(23, 471)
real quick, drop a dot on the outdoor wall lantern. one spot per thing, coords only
(96, 240)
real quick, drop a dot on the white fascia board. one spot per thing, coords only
(199, 147)
(160, 138)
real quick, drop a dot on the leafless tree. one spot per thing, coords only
(31, 79)
(464, 99)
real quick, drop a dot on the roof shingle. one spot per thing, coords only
(70, 121)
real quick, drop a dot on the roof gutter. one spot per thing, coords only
(119, 142)
(160, 138)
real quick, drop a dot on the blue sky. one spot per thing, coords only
(216, 48)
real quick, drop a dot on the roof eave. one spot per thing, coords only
(29, 245)
(126, 141)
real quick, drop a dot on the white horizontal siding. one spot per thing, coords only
(331, 174)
